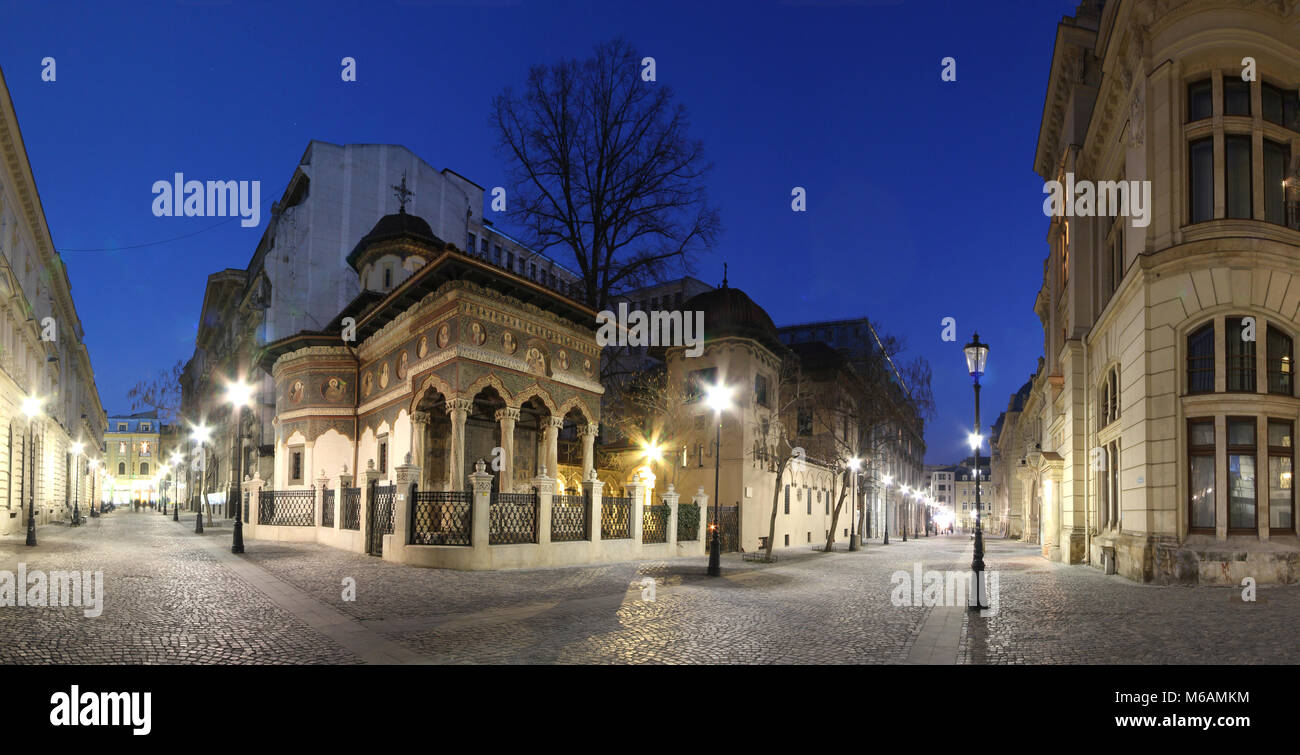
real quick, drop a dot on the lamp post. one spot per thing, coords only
(176, 504)
(854, 464)
(907, 493)
(32, 408)
(238, 394)
(200, 436)
(77, 448)
(977, 355)
(719, 398)
(884, 520)
(94, 473)
(164, 469)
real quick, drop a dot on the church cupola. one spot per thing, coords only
(395, 248)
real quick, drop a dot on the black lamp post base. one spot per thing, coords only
(176, 513)
(715, 556)
(31, 530)
(198, 524)
(237, 546)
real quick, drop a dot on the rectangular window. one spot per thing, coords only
(1236, 179)
(805, 421)
(510, 260)
(1240, 357)
(1236, 96)
(760, 390)
(295, 467)
(1116, 253)
(1277, 160)
(121, 427)
(1200, 450)
(1200, 161)
(472, 245)
(144, 427)
(787, 499)
(1281, 459)
(483, 247)
(1241, 473)
(1281, 365)
(809, 502)
(1281, 106)
(1200, 100)
(383, 455)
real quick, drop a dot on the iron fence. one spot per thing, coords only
(568, 518)
(380, 516)
(245, 507)
(688, 522)
(350, 511)
(615, 518)
(327, 509)
(441, 518)
(287, 508)
(654, 524)
(512, 518)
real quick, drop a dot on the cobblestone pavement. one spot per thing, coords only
(172, 597)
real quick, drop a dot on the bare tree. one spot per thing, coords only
(775, 444)
(648, 407)
(162, 393)
(601, 166)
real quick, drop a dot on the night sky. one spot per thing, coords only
(922, 201)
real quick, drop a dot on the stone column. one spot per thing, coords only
(636, 492)
(344, 482)
(669, 498)
(419, 443)
(545, 495)
(254, 488)
(321, 483)
(701, 500)
(507, 417)
(458, 410)
(406, 475)
(591, 488)
(481, 484)
(370, 475)
(589, 449)
(553, 427)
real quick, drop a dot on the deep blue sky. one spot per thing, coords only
(922, 202)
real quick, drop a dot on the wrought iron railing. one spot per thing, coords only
(287, 508)
(654, 524)
(615, 518)
(350, 511)
(568, 518)
(688, 522)
(245, 507)
(512, 518)
(327, 509)
(442, 518)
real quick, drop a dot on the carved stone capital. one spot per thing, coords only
(509, 413)
(556, 422)
(588, 430)
(460, 405)
(420, 418)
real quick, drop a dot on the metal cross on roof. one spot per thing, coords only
(403, 194)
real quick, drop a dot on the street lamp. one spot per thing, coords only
(977, 355)
(176, 504)
(77, 448)
(164, 470)
(238, 395)
(889, 480)
(32, 408)
(907, 492)
(200, 435)
(94, 473)
(854, 464)
(718, 399)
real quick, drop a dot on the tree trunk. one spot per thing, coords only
(776, 500)
(835, 519)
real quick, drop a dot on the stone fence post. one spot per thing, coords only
(407, 476)
(254, 488)
(545, 497)
(669, 497)
(591, 489)
(636, 492)
(481, 483)
(702, 501)
(321, 483)
(370, 475)
(344, 482)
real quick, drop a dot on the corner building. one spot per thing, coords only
(1165, 413)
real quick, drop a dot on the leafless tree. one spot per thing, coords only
(601, 166)
(162, 393)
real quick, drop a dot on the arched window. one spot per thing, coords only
(1239, 355)
(1200, 360)
(1108, 403)
(144, 468)
(1281, 363)
(121, 467)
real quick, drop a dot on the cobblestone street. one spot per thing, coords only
(171, 596)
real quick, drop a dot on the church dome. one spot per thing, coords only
(729, 312)
(395, 227)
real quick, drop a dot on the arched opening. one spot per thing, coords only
(530, 440)
(483, 432)
(436, 459)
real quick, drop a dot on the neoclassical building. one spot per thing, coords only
(1162, 422)
(454, 360)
